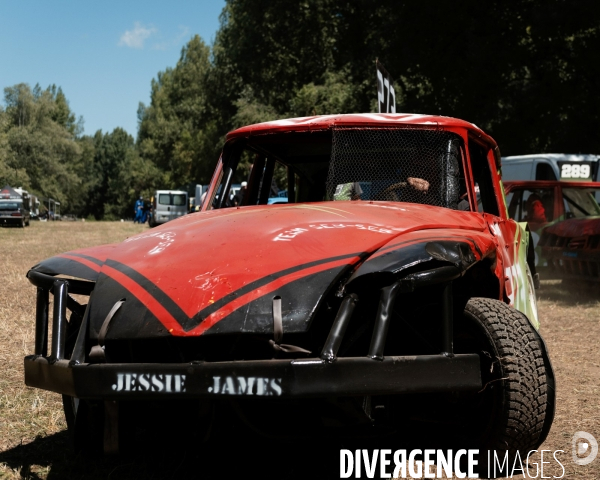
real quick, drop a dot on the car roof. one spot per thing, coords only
(570, 157)
(321, 122)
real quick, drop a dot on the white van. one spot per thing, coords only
(551, 166)
(168, 205)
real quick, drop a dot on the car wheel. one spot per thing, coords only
(22, 223)
(85, 424)
(85, 419)
(509, 413)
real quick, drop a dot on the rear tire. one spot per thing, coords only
(517, 387)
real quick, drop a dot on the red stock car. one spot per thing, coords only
(563, 218)
(380, 298)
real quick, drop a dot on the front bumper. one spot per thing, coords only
(324, 376)
(5, 220)
(312, 377)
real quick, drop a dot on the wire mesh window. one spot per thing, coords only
(402, 165)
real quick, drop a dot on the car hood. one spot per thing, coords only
(576, 227)
(218, 271)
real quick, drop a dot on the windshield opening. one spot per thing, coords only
(580, 202)
(8, 206)
(415, 165)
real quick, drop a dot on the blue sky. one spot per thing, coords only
(103, 54)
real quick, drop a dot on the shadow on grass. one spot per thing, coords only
(52, 457)
(569, 292)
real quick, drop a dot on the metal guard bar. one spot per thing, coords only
(60, 287)
(409, 283)
(43, 280)
(336, 334)
(311, 377)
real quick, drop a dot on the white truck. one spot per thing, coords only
(168, 205)
(551, 166)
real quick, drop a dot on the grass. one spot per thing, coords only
(571, 328)
(26, 413)
(35, 445)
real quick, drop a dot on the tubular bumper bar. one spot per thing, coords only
(313, 377)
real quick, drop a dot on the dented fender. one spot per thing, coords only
(425, 250)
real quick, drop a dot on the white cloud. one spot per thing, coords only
(136, 37)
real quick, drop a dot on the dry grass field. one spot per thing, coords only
(34, 443)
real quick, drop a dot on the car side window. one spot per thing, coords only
(514, 199)
(251, 178)
(535, 206)
(236, 167)
(482, 177)
(544, 171)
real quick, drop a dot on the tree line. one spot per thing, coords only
(524, 71)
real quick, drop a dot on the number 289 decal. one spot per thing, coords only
(575, 170)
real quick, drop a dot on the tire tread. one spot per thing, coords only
(522, 372)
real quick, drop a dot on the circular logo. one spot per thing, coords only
(588, 444)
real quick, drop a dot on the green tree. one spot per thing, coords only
(275, 47)
(116, 175)
(8, 174)
(179, 130)
(39, 152)
(524, 71)
(336, 93)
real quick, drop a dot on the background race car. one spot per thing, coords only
(545, 204)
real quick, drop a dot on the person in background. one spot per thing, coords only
(138, 210)
(536, 213)
(150, 210)
(145, 212)
(239, 196)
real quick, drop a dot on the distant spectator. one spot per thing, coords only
(229, 202)
(138, 210)
(145, 212)
(239, 196)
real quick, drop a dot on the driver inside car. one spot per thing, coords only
(353, 191)
(536, 213)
